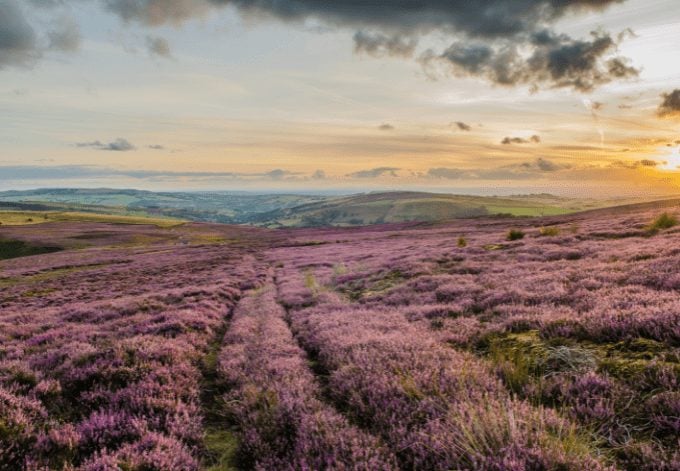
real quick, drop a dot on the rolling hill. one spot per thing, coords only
(289, 210)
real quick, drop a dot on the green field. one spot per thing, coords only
(20, 218)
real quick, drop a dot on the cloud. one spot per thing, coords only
(519, 171)
(158, 12)
(635, 164)
(670, 106)
(47, 3)
(18, 41)
(386, 127)
(156, 147)
(62, 172)
(505, 42)
(462, 126)
(520, 140)
(120, 145)
(278, 174)
(65, 36)
(544, 165)
(555, 61)
(319, 175)
(158, 46)
(379, 45)
(447, 173)
(493, 19)
(375, 172)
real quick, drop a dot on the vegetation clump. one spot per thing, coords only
(462, 242)
(549, 231)
(515, 234)
(664, 221)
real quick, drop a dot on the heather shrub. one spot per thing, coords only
(664, 410)
(515, 234)
(20, 418)
(462, 242)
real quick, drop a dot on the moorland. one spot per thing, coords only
(489, 343)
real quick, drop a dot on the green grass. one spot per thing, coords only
(664, 221)
(20, 218)
(529, 211)
(222, 447)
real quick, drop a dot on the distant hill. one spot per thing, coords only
(376, 208)
(290, 210)
(223, 207)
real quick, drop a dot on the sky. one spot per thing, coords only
(572, 97)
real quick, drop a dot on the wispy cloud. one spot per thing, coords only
(28, 172)
(118, 145)
(375, 172)
(520, 140)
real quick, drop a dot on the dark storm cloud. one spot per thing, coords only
(18, 41)
(375, 172)
(119, 145)
(670, 106)
(557, 61)
(463, 126)
(520, 140)
(505, 42)
(379, 45)
(482, 18)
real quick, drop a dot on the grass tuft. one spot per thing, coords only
(664, 221)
